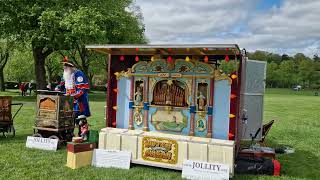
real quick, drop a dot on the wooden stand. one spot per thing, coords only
(79, 155)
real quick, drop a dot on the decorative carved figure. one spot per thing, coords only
(138, 96)
(201, 104)
(137, 116)
(201, 125)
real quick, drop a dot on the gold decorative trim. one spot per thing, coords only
(182, 76)
(139, 63)
(194, 64)
(160, 150)
(205, 64)
(218, 76)
(123, 74)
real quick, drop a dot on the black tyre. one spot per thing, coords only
(59, 140)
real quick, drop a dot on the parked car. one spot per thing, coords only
(297, 88)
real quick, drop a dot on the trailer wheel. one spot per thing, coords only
(59, 140)
(36, 135)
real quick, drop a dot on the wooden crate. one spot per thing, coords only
(80, 159)
(54, 111)
(5, 110)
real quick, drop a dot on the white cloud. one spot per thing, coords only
(169, 21)
(291, 28)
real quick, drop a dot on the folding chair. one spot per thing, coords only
(265, 130)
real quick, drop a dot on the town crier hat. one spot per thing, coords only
(66, 62)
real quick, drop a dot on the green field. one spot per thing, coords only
(297, 125)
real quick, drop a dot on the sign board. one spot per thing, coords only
(204, 170)
(159, 150)
(42, 143)
(111, 158)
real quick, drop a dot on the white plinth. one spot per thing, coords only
(141, 143)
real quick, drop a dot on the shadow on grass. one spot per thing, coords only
(25, 98)
(164, 170)
(17, 139)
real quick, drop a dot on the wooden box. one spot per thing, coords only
(77, 160)
(54, 111)
(80, 147)
(5, 109)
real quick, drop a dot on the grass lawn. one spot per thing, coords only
(297, 124)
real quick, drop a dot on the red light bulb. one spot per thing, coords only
(121, 58)
(227, 58)
(206, 59)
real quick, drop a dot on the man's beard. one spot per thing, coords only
(68, 78)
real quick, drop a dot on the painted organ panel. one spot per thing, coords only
(174, 97)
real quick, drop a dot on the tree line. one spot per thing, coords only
(35, 35)
(284, 71)
(48, 30)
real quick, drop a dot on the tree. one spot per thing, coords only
(258, 55)
(271, 57)
(285, 57)
(29, 20)
(229, 67)
(306, 72)
(86, 25)
(300, 57)
(288, 75)
(316, 57)
(20, 68)
(53, 67)
(49, 25)
(6, 47)
(265, 56)
(272, 74)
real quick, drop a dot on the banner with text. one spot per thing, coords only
(111, 158)
(42, 143)
(204, 170)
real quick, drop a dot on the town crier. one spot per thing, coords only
(76, 84)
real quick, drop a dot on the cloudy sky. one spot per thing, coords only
(280, 26)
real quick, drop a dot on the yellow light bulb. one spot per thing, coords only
(233, 96)
(187, 59)
(231, 116)
(233, 76)
(152, 58)
(115, 107)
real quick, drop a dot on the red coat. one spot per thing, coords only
(84, 129)
(22, 86)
